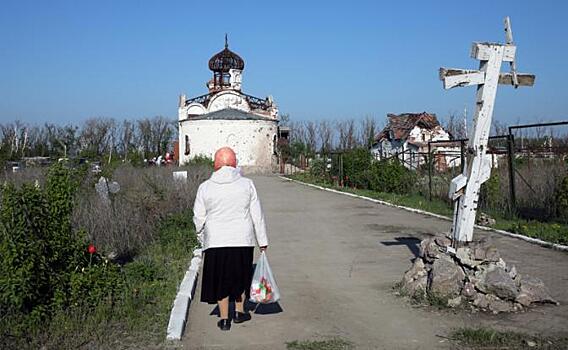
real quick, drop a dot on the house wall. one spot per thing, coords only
(252, 140)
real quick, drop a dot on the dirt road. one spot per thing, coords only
(336, 259)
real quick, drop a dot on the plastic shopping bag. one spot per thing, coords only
(263, 289)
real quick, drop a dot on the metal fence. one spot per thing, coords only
(527, 168)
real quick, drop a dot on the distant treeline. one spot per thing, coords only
(95, 138)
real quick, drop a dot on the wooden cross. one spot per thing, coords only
(464, 189)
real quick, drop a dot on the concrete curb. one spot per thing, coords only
(418, 211)
(178, 315)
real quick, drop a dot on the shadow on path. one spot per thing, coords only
(411, 242)
(259, 309)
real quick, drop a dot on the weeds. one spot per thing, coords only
(331, 344)
(94, 300)
(484, 338)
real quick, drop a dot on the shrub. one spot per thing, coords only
(490, 192)
(562, 200)
(318, 169)
(356, 164)
(200, 160)
(38, 248)
(390, 176)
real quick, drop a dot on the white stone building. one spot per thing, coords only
(228, 117)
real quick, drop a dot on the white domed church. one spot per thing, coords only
(228, 117)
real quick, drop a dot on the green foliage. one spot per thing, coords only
(40, 255)
(551, 232)
(490, 193)
(200, 160)
(98, 282)
(318, 168)
(486, 338)
(297, 148)
(390, 176)
(562, 200)
(356, 165)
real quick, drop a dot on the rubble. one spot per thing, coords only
(475, 274)
(485, 220)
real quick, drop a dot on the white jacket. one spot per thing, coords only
(227, 211)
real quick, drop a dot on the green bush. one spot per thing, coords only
(200, 160)
(42, 259)
(562, 200)
(318, 169)
(356, 165)
(390, 176)
(490, 192)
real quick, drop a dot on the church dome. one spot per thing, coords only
(225, 60)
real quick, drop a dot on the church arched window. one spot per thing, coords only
(187, 145)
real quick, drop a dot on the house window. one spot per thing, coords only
(187, 146)
(423, 137)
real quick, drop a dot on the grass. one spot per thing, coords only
(484, 338)
(138, 319)
(330, 344)
(546, 231)
(422, 299)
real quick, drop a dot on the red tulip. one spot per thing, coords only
(92, 249)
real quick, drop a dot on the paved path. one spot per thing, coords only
(336, 258)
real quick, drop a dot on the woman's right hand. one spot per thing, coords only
(262, 249)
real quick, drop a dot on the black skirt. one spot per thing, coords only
(227, 272)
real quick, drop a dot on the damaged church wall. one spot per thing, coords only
(252, 140)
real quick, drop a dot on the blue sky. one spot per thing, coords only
(65, 61)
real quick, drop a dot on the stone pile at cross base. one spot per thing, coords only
(475, 275)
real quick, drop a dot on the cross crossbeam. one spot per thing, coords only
(464, 189)
(454, 77)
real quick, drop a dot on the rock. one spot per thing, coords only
(481, 301)
(501, 263)
(497, 305)
(469, 291)
(430, 250)
(531, 344)
(495, 280)
(485, 220)
(455, 302)
(485, 251)
(464, 257)
(446, 278)
(533, 290)
(443, 241)
(416, 279)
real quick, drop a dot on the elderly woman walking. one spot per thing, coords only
(228, 217)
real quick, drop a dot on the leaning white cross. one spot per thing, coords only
(464, 189)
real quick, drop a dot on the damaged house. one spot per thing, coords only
(406, 137)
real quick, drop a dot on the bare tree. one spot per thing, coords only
(325, 133)
(311, 136)
(499, 128)
(368, 131)
(126, 137)
(455, 126)
(298, 132)
(97, 136)
(346, 132)
(161, 134)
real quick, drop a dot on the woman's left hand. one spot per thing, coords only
(262, 249)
